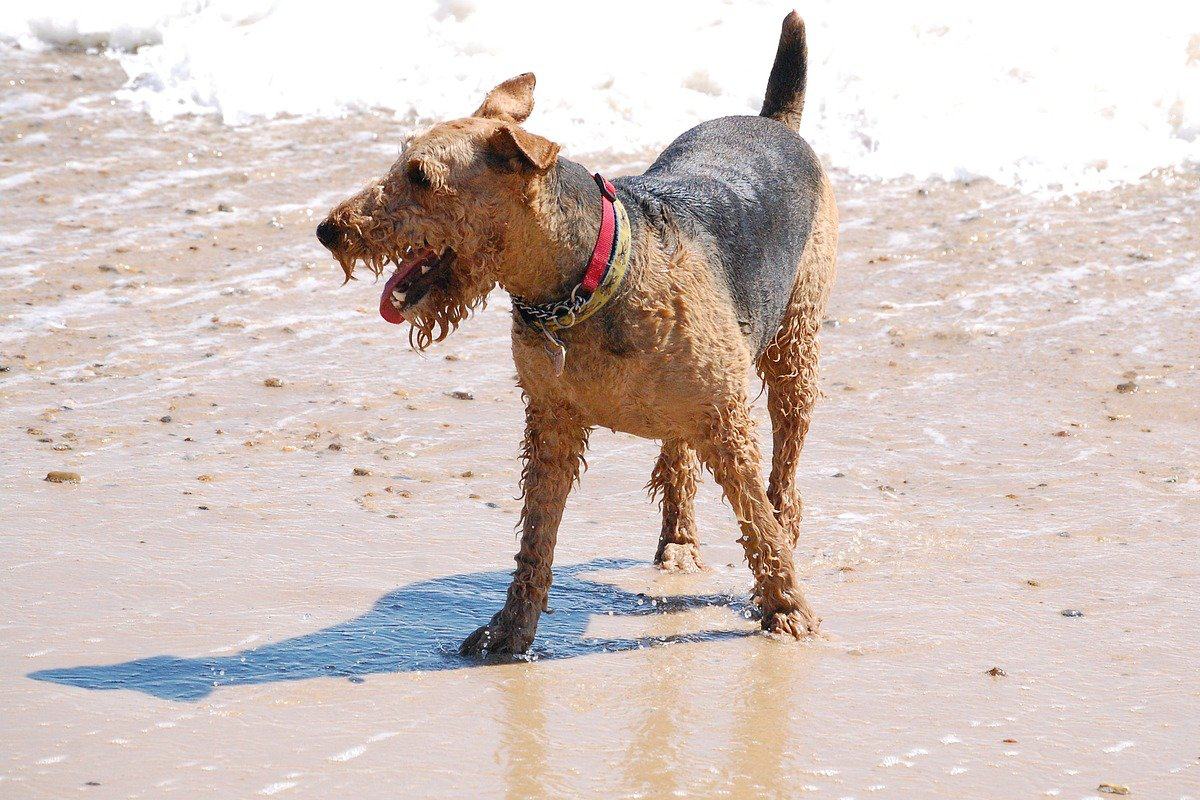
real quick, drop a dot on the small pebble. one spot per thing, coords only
(1128, 387)
(996, 672)
(165, 418)
(224, 207)
(62, 476)
(1113, 788)
(361, 471)
(1072, 612)
(459, 394)
(273, 382)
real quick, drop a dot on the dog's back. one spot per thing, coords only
(747, 190)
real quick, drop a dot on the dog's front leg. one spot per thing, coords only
(553, 450)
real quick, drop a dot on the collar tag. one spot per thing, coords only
(557, 351)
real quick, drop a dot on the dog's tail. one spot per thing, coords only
(785, 88)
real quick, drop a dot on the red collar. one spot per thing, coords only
(602, 253)
(599, 265)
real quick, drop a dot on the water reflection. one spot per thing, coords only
(677, 723)
(524, 747)
(650, 765)
(415, 628)
(764, 737)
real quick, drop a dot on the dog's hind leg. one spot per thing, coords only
(553, 452)
(789, 364)
(789, 368)
(729, 449)
(674, 483)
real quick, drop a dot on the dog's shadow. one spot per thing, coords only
(414, 628)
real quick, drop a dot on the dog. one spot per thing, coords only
(639, 305)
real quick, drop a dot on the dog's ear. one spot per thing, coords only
(511, 101)
(517, 148)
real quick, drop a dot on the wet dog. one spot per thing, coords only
(638, 305)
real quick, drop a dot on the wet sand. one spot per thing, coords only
(222, 608)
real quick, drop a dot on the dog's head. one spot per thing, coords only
(447, 213)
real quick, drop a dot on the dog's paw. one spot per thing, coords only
(496, 638)
(796, 624)
(682, 558)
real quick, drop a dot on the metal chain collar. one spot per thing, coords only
(562, 311)
(583, 300)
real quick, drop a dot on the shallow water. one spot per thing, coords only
(221, 608)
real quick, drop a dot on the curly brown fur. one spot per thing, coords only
(733, 239)
(789, 365)
(552, 454)
(673, 483)
(730, 451)
(450, 192)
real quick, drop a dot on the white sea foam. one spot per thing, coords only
(79, 24)
(1034, 94)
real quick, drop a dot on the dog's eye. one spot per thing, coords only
(417, 175)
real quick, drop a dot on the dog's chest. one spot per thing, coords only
(603, 388)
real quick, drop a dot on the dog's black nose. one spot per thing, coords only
(327, 234)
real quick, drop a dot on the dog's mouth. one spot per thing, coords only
(418, 270)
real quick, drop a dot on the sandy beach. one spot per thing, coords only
(287, 519)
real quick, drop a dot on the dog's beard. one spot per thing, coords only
(462, 286)
(441, 311)
(448, 302)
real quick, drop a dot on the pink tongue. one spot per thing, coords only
(387, 309)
